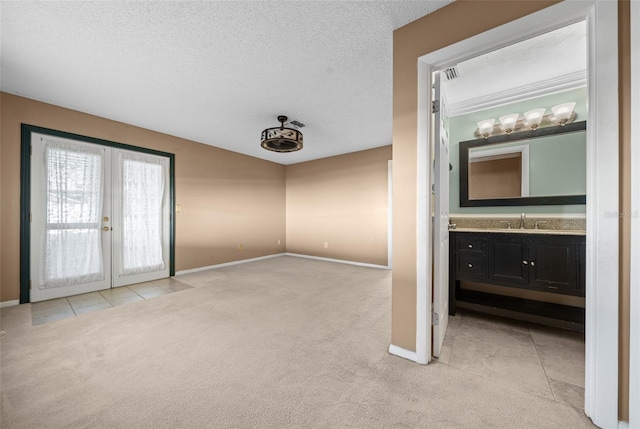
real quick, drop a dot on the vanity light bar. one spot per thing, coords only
(533, 119)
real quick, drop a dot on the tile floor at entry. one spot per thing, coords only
(63, 308)
(546, 361)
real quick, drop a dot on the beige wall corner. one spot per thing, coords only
(226, 198)
(337, 207)
(453, 23)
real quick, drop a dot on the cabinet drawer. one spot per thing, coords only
(470, 266)
(471, 244)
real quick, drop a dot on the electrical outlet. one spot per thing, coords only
(240, 246)
(326, 244)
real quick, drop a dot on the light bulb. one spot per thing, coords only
(485, 127)
(508, 122)
(534, 117)
(562, 112)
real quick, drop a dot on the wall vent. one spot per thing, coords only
(451, 73)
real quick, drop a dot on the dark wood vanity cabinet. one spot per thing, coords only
(539, 262)
(544, 262)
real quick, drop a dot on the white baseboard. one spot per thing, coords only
(403, 353)
(623, 425)
(228, 264)
(297, 255)
(9, 303)
(340, 261)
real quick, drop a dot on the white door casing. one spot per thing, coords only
(601, 360)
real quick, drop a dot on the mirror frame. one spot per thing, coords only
(516, 201)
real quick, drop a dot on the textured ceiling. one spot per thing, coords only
(216, 72)
(219, 72)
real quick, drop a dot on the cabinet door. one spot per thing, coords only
(553, 264)
(582, 267)
(508, 260)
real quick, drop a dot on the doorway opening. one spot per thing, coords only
(601, 252)
(552, 359)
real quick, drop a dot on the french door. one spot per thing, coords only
(99, 217)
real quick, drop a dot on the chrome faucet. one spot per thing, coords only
(523, 217)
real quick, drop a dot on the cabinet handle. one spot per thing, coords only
(470, 265)
(525, 262)
(470, 246)
(533, 264)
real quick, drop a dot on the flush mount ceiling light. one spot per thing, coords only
(281, 139)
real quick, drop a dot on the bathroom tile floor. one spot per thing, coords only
(63, 308)
(546, 361)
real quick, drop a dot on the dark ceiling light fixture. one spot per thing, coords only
(281, 139)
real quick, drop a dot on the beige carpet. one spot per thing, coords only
(281, 343)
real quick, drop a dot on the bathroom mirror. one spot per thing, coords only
(546, 166)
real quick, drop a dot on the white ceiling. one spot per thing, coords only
(551, 62)
(219, 72)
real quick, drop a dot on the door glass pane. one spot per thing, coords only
(143, 187)
(72, 251)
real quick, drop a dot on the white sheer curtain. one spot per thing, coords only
(72, 242)
(143, 187)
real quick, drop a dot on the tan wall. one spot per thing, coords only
(453, 23)
(343, 201)
(226, 198)
(496, 178)
(624, 76)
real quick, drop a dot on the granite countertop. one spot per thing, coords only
(523, 231)
(510, 224)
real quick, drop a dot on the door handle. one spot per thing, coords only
(533, 264)
(105, 219)
(105, 228)
(525, 262)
